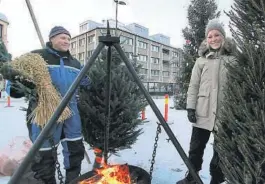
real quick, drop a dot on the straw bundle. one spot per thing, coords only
(33, 67)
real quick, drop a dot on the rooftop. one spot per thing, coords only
(129, 28)
(3, 17)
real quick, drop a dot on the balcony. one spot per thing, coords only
(166, 57)
(155, 66)
(143, 64)
(166, 66)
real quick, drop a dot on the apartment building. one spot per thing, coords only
(160, 61)
(3, 37)
(3, 28)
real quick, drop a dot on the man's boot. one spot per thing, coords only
(72, 174)
(50, 180)
(28, 178)
(215, 180)
(187, 180)
(43, 167)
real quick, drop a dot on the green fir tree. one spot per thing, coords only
(241, 131)
(126, 103)
(4, 55)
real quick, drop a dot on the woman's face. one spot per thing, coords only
(215, 39)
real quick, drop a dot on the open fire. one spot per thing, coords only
(110, 174)
(115, 174)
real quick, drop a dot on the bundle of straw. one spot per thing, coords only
(33, 67)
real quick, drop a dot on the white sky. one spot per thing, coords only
(168, 17)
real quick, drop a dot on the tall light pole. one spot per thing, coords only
(117, 4)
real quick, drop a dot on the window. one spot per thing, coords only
(166, 63)
(126, 40)
(165, 51)
(175, 54)
(81, 56)
(155, 60)
(166, 73)
(73, 45)
(129, 55)
(174, 64)
(103, 31)
(142, 45)
(155, 48)
(155, 72)
(143, 71)
(142, 58)
(89, 53)
(174, 74)
(82, 42)
(1, 31)
(91, 39)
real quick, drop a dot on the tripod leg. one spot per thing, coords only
(46, 130)
(158, 113)
(108, 93)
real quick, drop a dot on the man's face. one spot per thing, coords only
(61, 42)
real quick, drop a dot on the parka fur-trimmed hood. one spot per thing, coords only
(208, 79)
(228, 48)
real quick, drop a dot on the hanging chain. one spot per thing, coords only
(57, 164)
(158, 131)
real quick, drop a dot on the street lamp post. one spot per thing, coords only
(117, 4)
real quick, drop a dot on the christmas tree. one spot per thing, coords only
(125, 106)
(199, 13)
(4, 55)
(241, 127)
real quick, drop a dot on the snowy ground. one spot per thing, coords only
(169, 166)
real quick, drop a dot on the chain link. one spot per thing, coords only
(158, 131)
(57, 164)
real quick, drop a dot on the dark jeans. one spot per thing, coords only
(199, 139)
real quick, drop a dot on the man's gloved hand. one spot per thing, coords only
(13, 75)
(8, 72)
(191, 115)
(85, 83)
(27, 83)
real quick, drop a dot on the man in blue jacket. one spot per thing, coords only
(63, 69)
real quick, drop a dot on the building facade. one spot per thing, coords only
(3, 28)
(159, 60)
(3, 36)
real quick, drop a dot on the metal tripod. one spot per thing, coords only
(108, 41)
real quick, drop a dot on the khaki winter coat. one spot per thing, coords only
(208, 78)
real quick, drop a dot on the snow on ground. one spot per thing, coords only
(168, 167)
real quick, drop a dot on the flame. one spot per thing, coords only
(110, 174)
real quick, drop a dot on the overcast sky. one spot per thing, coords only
(168, 17)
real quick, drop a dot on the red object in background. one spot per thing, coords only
(8, 101)
(166, 108)
(143, 114)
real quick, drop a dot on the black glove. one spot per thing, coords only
(25, 82)
(8, 72)
(14, 76)
(191, 115)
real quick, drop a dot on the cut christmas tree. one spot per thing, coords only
(241, 131)
(125, 105)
